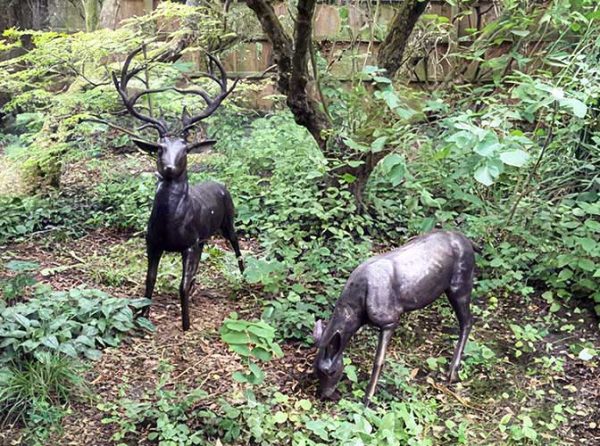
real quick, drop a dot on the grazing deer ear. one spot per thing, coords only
(202, 146)
(334, 345)
(318, 331)
(146, 146)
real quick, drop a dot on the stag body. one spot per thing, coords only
(384, 287)
(183, 217)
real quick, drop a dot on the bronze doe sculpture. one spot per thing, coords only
(385, 286)
(183, 217)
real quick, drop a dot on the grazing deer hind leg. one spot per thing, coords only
(460, 301)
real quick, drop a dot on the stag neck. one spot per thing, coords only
(175, 186)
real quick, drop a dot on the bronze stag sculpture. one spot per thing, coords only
(183, 217)
(385, 286)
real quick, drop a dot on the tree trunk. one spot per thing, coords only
(391, 51)
(291, 57)
(110, 13)
(91, 10)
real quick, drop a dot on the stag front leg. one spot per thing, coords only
(385, 334)
(191, 259)
(154, 256)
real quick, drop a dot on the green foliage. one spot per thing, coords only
(164, 412)
(33, 391)
(73, 323)
(12, 288)
(251, 340)
(20, 216)
(123, 202)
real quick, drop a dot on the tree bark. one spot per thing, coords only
(391, 51)
(91, 13)
(109, 13)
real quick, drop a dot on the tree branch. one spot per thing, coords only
(392, 49)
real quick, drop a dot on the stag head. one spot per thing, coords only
(172, 146)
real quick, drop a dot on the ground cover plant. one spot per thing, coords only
(504, 147)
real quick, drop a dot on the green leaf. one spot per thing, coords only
(379, 144)
(21, 266)
(235, 338)
(51, 342)
(26, 323)
(239, 377)
(488, 146)
(579, 108)
(303, 404)
(280, 417)
(394, 167)
(145, 324)
(516, 157)
(68, 349)
(485, 175)
(261, 354)
(93, 354)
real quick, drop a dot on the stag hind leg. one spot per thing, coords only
(190, 259)
(154, 256)
(229, 233)
(460, 301)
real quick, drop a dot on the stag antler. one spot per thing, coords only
(212, 104)
(129, 102)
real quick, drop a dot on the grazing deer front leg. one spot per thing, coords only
(385, 334)
(191, 259)
(154, 256)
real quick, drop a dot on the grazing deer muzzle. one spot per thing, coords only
(183, 217)
(384, 287)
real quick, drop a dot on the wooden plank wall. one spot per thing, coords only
(344, 38)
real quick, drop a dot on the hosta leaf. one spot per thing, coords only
(92, 353)
(51, 342)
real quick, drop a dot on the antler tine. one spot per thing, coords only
(221, 69)
(129, 102)
(212, 104)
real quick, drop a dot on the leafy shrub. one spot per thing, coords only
(30, 387)
(123, 202)
(165, 412)
(250, 340)
(75, 322)
(13, 287)
(20, 216)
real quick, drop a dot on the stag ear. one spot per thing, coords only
(202, 146)
(318, 331)
(146, 146)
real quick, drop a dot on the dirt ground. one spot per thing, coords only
(199, 358)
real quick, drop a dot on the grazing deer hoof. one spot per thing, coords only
(453, 377)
